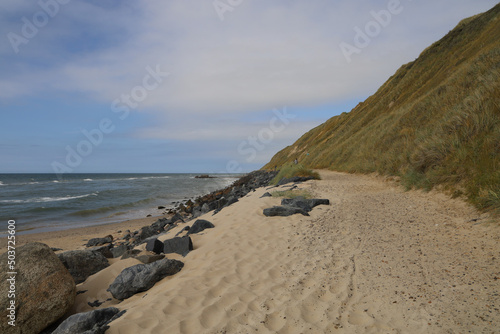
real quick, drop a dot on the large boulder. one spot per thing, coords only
(44, 289)
(284, 211)
(93, 322)
(142, 277)
(83, 263)
(199, 226)
(179, 245)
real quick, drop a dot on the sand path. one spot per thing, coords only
(377, 260)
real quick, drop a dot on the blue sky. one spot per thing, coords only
(193, 86)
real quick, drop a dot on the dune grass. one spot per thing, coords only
(290, 170)
(435, 122)
(292, 193)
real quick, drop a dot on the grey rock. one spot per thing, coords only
(119, 250)
(83, 263)
(200, 225)
(45, 290)
(104, 250)
(130, 253)
(142, 277)
(267, 194)
(178, 245)
(99, 241)
(93, 322)
(155, 246)
(186, 228)
(283, 211)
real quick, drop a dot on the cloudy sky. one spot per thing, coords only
(193, 85)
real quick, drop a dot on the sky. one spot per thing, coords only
(193, 85)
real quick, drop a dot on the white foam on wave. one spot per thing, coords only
(46, 199)
(87, 180)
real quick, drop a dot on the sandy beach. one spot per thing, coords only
(376, 260)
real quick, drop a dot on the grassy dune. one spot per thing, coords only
(435, 122)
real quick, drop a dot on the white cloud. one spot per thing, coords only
(263, 55)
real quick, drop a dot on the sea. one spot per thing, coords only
(43, 203)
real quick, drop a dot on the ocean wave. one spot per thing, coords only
(102, 210)
(45, 199)
(87, 180)
(1, 183)
(146, 178)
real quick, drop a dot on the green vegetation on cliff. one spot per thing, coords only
(435, 122)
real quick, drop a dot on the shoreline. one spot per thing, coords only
(58, 239)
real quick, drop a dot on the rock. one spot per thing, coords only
(100, 241)
(54, 249)
(83, 263)
(306, 204)
(147, 232)
(95, 303)
(45, 290)
(93, 322)
(142, 277)
(178, 245)
(319, 201)
(147, 258)
(155, 246)
(130, 253)
(267, 194)
(186, 228)
(283, 211)
(104, 250)
(119, 250)
(161, 207)
(231, 200)
(199, 226)
(298, 202)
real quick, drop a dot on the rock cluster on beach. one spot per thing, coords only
(291, 206)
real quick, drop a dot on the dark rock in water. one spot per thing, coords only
(199, 226)
(161, 207)
(130, 253)
(150, 258)
(204, 176)
(283, 211)
(44, 289)
(142, 277)
(267, 194)
(119, 250)
(178, 245)
(149, 216)
(104, 250)
(93, 322)
(83, 263)
(155, 246)
(99, 241)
